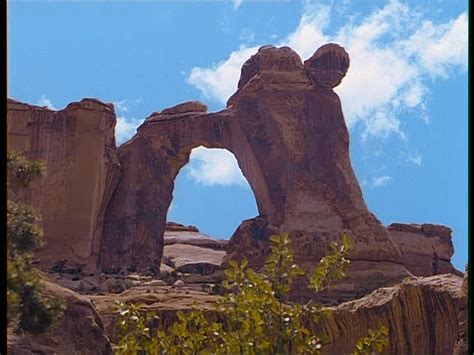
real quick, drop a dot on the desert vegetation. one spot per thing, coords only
(27, 310)
(256, 316)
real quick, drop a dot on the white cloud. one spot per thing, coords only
(124, 105)
(415, 159)
(44, 101)
(309, 36)
(215, 167)
(440, 47)
(395, 52)
(379, 181)
(126, 128)
(236, 3)
(220, 81)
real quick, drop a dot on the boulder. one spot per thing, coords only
(78, 330)
(179, 234)
(194, 259)
(328, 65)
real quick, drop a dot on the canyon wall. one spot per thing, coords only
(77, 145)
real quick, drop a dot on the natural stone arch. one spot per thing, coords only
(286, 128)
(151, 160)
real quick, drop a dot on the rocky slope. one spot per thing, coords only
(78, 330)
(420, 312)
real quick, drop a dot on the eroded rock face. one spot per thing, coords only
(421, 314)
(426, 248)
(77, 145)
(328, 65)
(187, 250)
(288, 134)
(460, 348)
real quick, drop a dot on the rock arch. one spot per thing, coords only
(286, 128)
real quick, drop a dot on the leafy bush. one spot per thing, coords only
(25, 307)
(256, 315)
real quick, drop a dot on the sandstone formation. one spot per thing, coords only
(460, 348)
(420, 312)
(106, 207)
(288, 134)
(187, 250)
(165, 300)
(178, 234)
(427, 249)
(79, 330)
(328, 65)
(77, 145)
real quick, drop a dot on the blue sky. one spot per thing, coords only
(404, 97)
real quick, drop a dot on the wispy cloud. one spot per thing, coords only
(45, 102)
(236, 4)
(215, 167)
(125, 128)
(415, 159)
(395, 52)
(220, 81)
(379, 181)
(124, 105)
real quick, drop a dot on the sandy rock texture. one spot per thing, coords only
(420, 312)
(426, 248)
(77, 145)
(79, 330)
(290, 139)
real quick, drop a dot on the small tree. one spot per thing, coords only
(257, 317)
(25, 307)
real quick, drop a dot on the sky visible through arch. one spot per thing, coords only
(404, 97)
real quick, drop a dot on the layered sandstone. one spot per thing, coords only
(426, 248)
(420, 312)
(460, 348)
(290, 139)
(77, 145)
(187, 250)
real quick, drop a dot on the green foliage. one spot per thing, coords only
(22, 170)
(25, 307)
(375, 342)
(333, 266)
(257, 317)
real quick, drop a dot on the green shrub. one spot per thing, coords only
(257, 317)
(26, 309)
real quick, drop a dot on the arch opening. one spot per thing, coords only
(211, 193)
